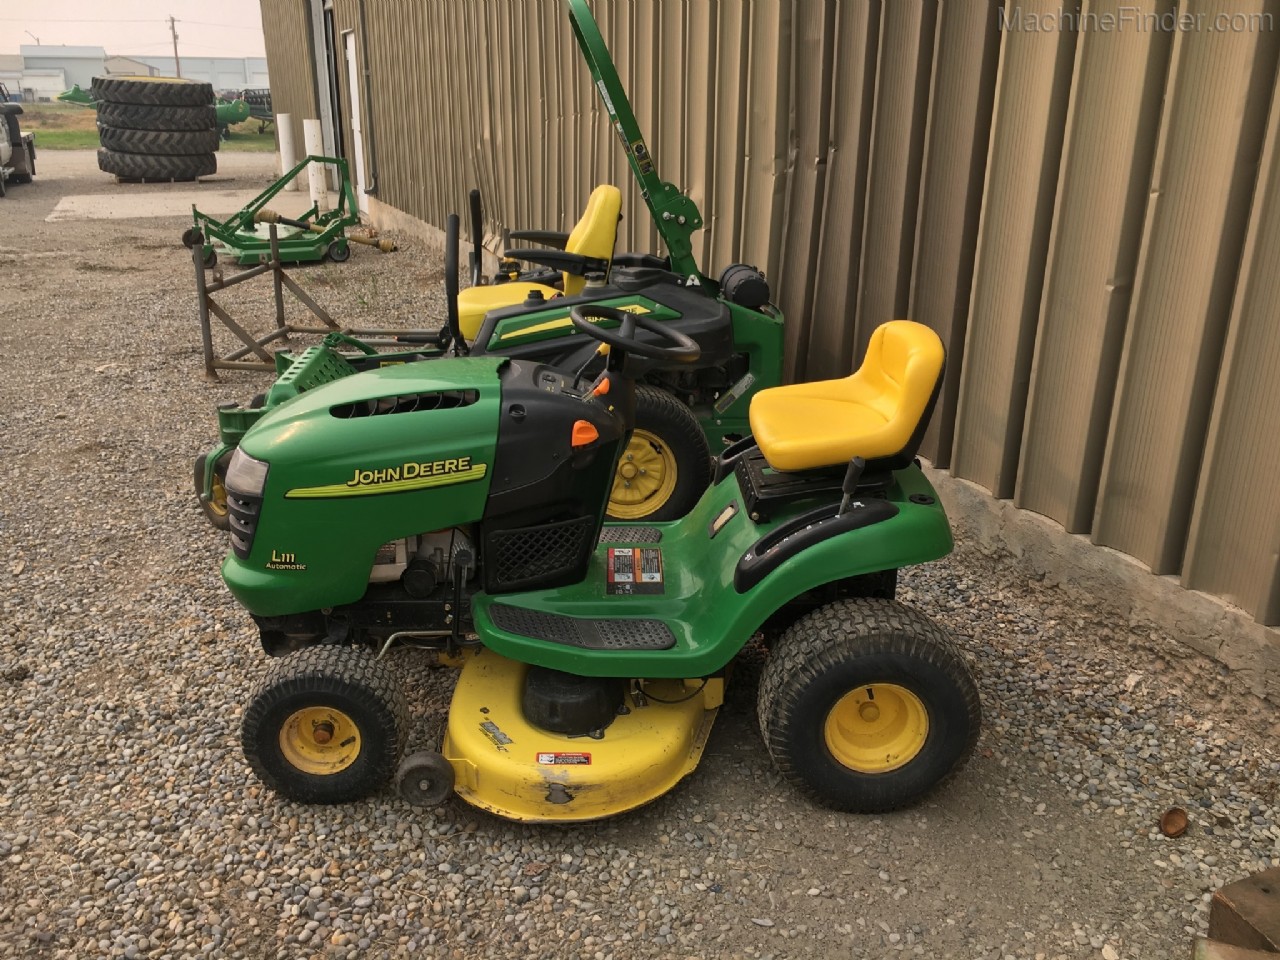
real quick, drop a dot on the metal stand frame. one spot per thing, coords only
(235, 360)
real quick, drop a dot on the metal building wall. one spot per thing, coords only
(287, 33)
(1067, 190)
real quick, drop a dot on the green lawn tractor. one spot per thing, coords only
(683, 411)
(457, 506)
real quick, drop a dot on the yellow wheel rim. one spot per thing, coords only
(877, 728)
(218, 497)
(646, 478)
(320, 740)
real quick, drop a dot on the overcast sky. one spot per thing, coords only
(226, 28)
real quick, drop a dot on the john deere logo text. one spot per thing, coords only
(401, 479)
(409, 471)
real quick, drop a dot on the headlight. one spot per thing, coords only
(245, 475)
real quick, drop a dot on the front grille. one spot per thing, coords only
(406, 403)
(243, 512)
(528, 557)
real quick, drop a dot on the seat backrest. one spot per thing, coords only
(900, 378)
(596, 233)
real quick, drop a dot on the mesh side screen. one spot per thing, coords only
(530, 555)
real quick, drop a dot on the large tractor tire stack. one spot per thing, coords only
(156, 128)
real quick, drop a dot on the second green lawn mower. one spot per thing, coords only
(684, 412)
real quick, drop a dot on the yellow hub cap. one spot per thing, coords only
(218, 497)
(877, 728)
(320, 740)
(645, 479)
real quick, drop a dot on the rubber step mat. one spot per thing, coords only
(586, 634)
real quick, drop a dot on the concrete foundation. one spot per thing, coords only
(1114, 581)
(386, 217)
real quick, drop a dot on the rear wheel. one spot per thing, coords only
(326, 725)
(866, 706)
(666, 465)
(215, 508)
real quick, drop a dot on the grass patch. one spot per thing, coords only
(64, 126)
(245, 138)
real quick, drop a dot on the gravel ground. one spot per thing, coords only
(130, 825)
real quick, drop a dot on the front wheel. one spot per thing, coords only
(666, 465)
(867, 707)
(326, 725)
(215, 508)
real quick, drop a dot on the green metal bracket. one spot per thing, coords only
(675, 214)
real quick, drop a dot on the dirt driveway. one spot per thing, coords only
(130, 825)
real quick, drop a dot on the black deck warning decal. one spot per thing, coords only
(635, 570)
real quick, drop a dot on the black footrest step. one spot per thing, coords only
(578, 632)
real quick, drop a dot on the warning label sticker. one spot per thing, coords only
(634, 570)
(564, 759)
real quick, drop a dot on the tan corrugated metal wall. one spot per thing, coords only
(286, 27)
(1067, 190)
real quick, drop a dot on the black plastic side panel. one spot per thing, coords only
(547, 498)
(802, 532)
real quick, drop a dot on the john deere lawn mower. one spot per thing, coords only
(683, 411)
(457, 506)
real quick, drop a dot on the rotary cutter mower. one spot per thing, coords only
(458, 506)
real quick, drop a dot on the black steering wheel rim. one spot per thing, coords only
(682, 348)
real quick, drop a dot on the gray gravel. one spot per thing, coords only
(130, 825)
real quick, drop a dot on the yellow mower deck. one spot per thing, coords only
(504, 765)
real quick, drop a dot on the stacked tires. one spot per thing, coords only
(156, 128)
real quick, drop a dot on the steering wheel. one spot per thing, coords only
(681, 348)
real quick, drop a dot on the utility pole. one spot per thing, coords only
(173, 28)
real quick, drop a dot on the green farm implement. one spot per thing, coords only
(244, 237)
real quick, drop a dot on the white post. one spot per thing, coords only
(313, 138)
(288, 156)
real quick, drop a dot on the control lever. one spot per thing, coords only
(850, 484)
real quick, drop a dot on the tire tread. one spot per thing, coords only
(158, 142)
(139, 166)
(675, 423)
(817, 641)
(329, 668)
(149, 92)
(136, 116)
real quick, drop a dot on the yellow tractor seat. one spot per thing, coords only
(877, 413)
(593, 236)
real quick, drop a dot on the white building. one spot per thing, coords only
(225, 73)
(78, 64)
